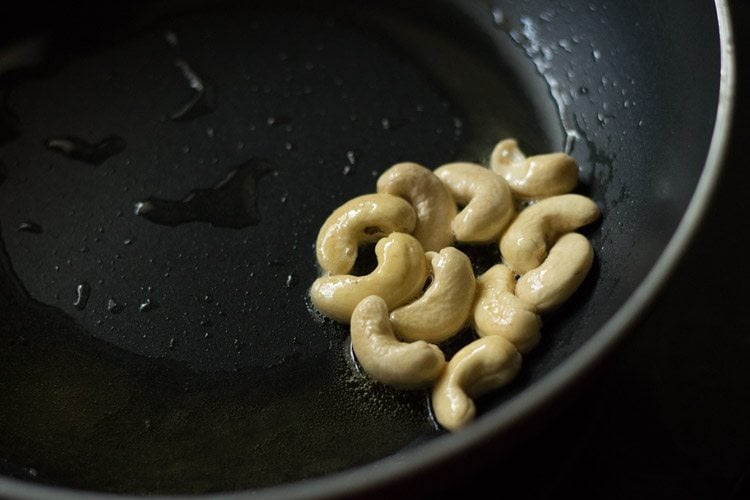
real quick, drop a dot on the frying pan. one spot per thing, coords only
(166, 167)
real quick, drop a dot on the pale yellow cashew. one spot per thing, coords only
(525, 244)
(498, 311)
(561, 273)
(486, 198)
(431, 200)
(445, 307)
(406, 365)
(400, 275)
(481, 366)
(537, 176)
(360, 220)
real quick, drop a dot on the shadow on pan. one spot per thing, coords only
(165, 170)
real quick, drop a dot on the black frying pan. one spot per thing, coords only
(166, 167)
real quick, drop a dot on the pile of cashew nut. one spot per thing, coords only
(424, 290)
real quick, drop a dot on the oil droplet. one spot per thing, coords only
(571, 136)
(203, 100)
(291, 280)
(147, 305)
(275, 121)
(351, 157)
(497, 16)
(29, 227)
(171, 38)
(230, 203)
(566, 45)
(393, 123)
(83, 292)
(80, 149)
(114, 307)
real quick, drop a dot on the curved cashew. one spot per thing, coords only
(537, 176)
(481, 366)
(498, 311)
(400, 275)
(364, 218)
(406, 365)
(524, 245)
(561, 273)
(433, 203)
(444, 308)
(486, 198)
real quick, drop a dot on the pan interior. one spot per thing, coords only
(177, 353)
(174, 350)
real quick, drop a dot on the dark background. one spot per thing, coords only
(668, 415)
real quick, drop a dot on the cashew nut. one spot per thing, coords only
(498, 311)
(486, 198)
(537, 176)
(362, 219)
(406, 365)
(433, 203)
(483, 365)
(445, 307)
(525, 244)
(399, 277)
(561, 273)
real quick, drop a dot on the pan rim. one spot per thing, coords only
(560, 380)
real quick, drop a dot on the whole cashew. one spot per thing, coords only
(537, 176)
(362, 219)
(498, 311)
(445, 307)
(486, 198)
(561, 273)
(406, 365)
(525, 244)
(433, 203)
(400, 275)
(483, 365)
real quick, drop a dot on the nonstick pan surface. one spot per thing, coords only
(165, 170)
